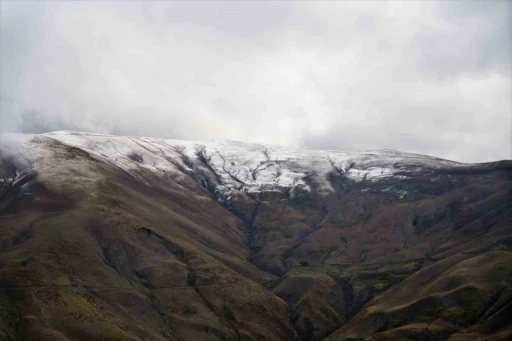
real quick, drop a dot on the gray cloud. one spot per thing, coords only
(424, 77)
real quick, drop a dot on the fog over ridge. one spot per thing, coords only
(425, 77)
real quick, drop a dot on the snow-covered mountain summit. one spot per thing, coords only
(227, 166)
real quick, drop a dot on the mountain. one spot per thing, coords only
(131, 238)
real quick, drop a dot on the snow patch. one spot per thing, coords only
(252, 168)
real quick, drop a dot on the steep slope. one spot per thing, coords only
(126, 238)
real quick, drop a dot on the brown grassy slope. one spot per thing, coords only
(371, 240)
(437, 301)
(88, 253)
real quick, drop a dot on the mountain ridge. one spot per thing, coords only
(261, 242)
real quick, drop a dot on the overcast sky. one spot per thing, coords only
(426, 77)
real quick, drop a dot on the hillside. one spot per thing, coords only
(130, 238)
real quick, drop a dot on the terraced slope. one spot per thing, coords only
(125, 238)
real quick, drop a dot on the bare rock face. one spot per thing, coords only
(127, 238)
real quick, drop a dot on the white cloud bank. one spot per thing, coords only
(425, 77)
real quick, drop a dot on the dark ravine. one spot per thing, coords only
(177, 242)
